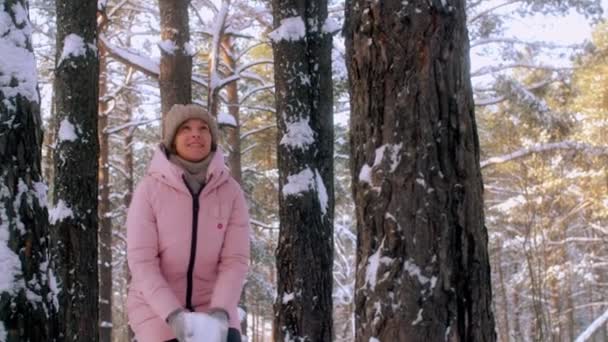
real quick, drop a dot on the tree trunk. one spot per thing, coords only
(423, 272)
(505, 330)
(234, 141)
(129, 184)
(175, 77)
(303, 309)
(232, 94)
(27, 309)
(105, 223)
(76, 168)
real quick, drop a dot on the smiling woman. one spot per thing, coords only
(187, 237)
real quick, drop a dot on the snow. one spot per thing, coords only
(54, 288)
(60, 212)
(365, 174)
(10, 266)
(330, 26)
(299, 134)
(597, 324)
(74, 47)
(322, 192)
(373, 339)
(299, 183)
(17, 62)
(226, 119)
(189, 49)
(67, 132)
(168, 46)
(287, 297)
(419, 318)
(415, 272)
(291, 29)
(373, 262)
(41, 190)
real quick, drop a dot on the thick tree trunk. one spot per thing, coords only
(303, 309)
(423, 271)
(176, 62)
(27, 309)
(105, 223)
(76, 168)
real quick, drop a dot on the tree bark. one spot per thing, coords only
(76, 168)
(423, 272)
(27, 310)
(175, 78)
(303, 309)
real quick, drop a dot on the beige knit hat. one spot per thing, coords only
(178, 114)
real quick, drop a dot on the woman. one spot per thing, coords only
(187, 237)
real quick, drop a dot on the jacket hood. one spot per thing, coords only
(165, 171)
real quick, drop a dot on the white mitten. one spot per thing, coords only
(208, 328)
(179, 323)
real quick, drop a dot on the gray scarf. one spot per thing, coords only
(195, 173)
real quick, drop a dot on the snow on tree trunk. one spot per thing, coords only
(176, 54)
(423, 272)
(302, 55)
(27, 283)
(74, 216)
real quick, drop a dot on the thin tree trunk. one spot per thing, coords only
(27, 310)
(423, 271)
(232, 94)
(176, 62)
(503, 294)
(105, 223)
(303, 308)
(76, 168)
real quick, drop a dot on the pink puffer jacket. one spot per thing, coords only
(178, 260)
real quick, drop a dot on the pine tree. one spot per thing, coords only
(74, 217)
(303, 88)
(27, 294)
(423, 270)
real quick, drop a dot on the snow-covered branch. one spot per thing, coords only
(563, 145)
(138, 61)
(542, 44)
(112, 130)
(142, 63)
(500, 67)
(255, 131)
(490, 10)
(479, 102)
(262, 224)
(255, 90)
(591, 329)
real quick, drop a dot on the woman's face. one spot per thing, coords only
(193, 140)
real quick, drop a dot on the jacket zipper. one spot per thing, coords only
(195, 209)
